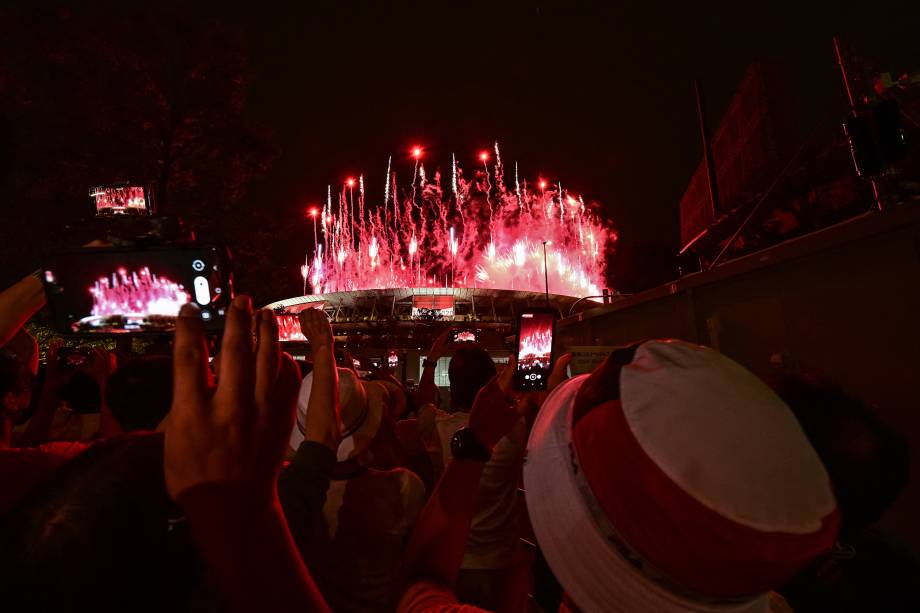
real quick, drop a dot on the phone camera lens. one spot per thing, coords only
(198, 265)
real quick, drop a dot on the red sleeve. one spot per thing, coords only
(25, 469)
(427, 597)
(246, 542)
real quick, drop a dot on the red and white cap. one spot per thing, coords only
(673, 479)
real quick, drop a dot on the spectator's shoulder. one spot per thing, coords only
(64, 450)
(428, 597)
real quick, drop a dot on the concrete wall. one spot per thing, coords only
(844, 302)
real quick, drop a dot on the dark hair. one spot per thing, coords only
(82, 393)
(867, 461)
(99, 536)
(470, 368)
(139, 393)
(13, 374)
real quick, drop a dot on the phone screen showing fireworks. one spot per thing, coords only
(121, 200)
(535, 349)
(289, 328)
(119, 291)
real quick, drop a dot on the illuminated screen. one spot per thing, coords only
(115, 291)
(128, 200)
(289, 328)
(466, 336)
(432, 307)
(535, 348)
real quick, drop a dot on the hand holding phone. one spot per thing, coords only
(534, 358)
(440, 345)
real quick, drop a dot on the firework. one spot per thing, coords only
(479, 234)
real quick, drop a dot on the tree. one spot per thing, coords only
(92, 95)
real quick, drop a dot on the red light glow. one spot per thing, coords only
(483, 156)
(416, 152)
(313, 211)
(350, 182)
(542, 184)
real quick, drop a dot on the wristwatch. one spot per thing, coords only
(426, 363)
(465, 446)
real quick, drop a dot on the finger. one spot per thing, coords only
(558, 375)
(285, 390)
(235, 378)
(191, 378)
(505, 378)
(215, 365)
(268, 356)
(304, 319)
(277, 420)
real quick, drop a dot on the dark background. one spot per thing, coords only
(243, 114)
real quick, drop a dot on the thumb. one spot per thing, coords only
(505, 379)
(558, 375)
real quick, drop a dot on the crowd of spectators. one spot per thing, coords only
(670, 478)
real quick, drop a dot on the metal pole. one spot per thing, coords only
(545, 274)
(714, 204)
(852, 100)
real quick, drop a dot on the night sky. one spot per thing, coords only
(596, 95)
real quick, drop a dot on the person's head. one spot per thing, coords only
(139, 393)
(15, 387)
(470, 368)
(867, 461)
(363, 405)
(672, 479)
(101, 535)
(81, 393)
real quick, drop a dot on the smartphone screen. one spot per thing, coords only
(289, 328)
(121, 200)
(465, 336)
(136, 291)
(535, 349)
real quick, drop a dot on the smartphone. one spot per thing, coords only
(115, 290)
(535, 349)
(465, 336)
(123, 199)
(73, 357)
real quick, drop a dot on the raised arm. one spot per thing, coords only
(322, 424)
(427, 390)
(18, 303)
(439, 540)
(224, 447)
(302, 486)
